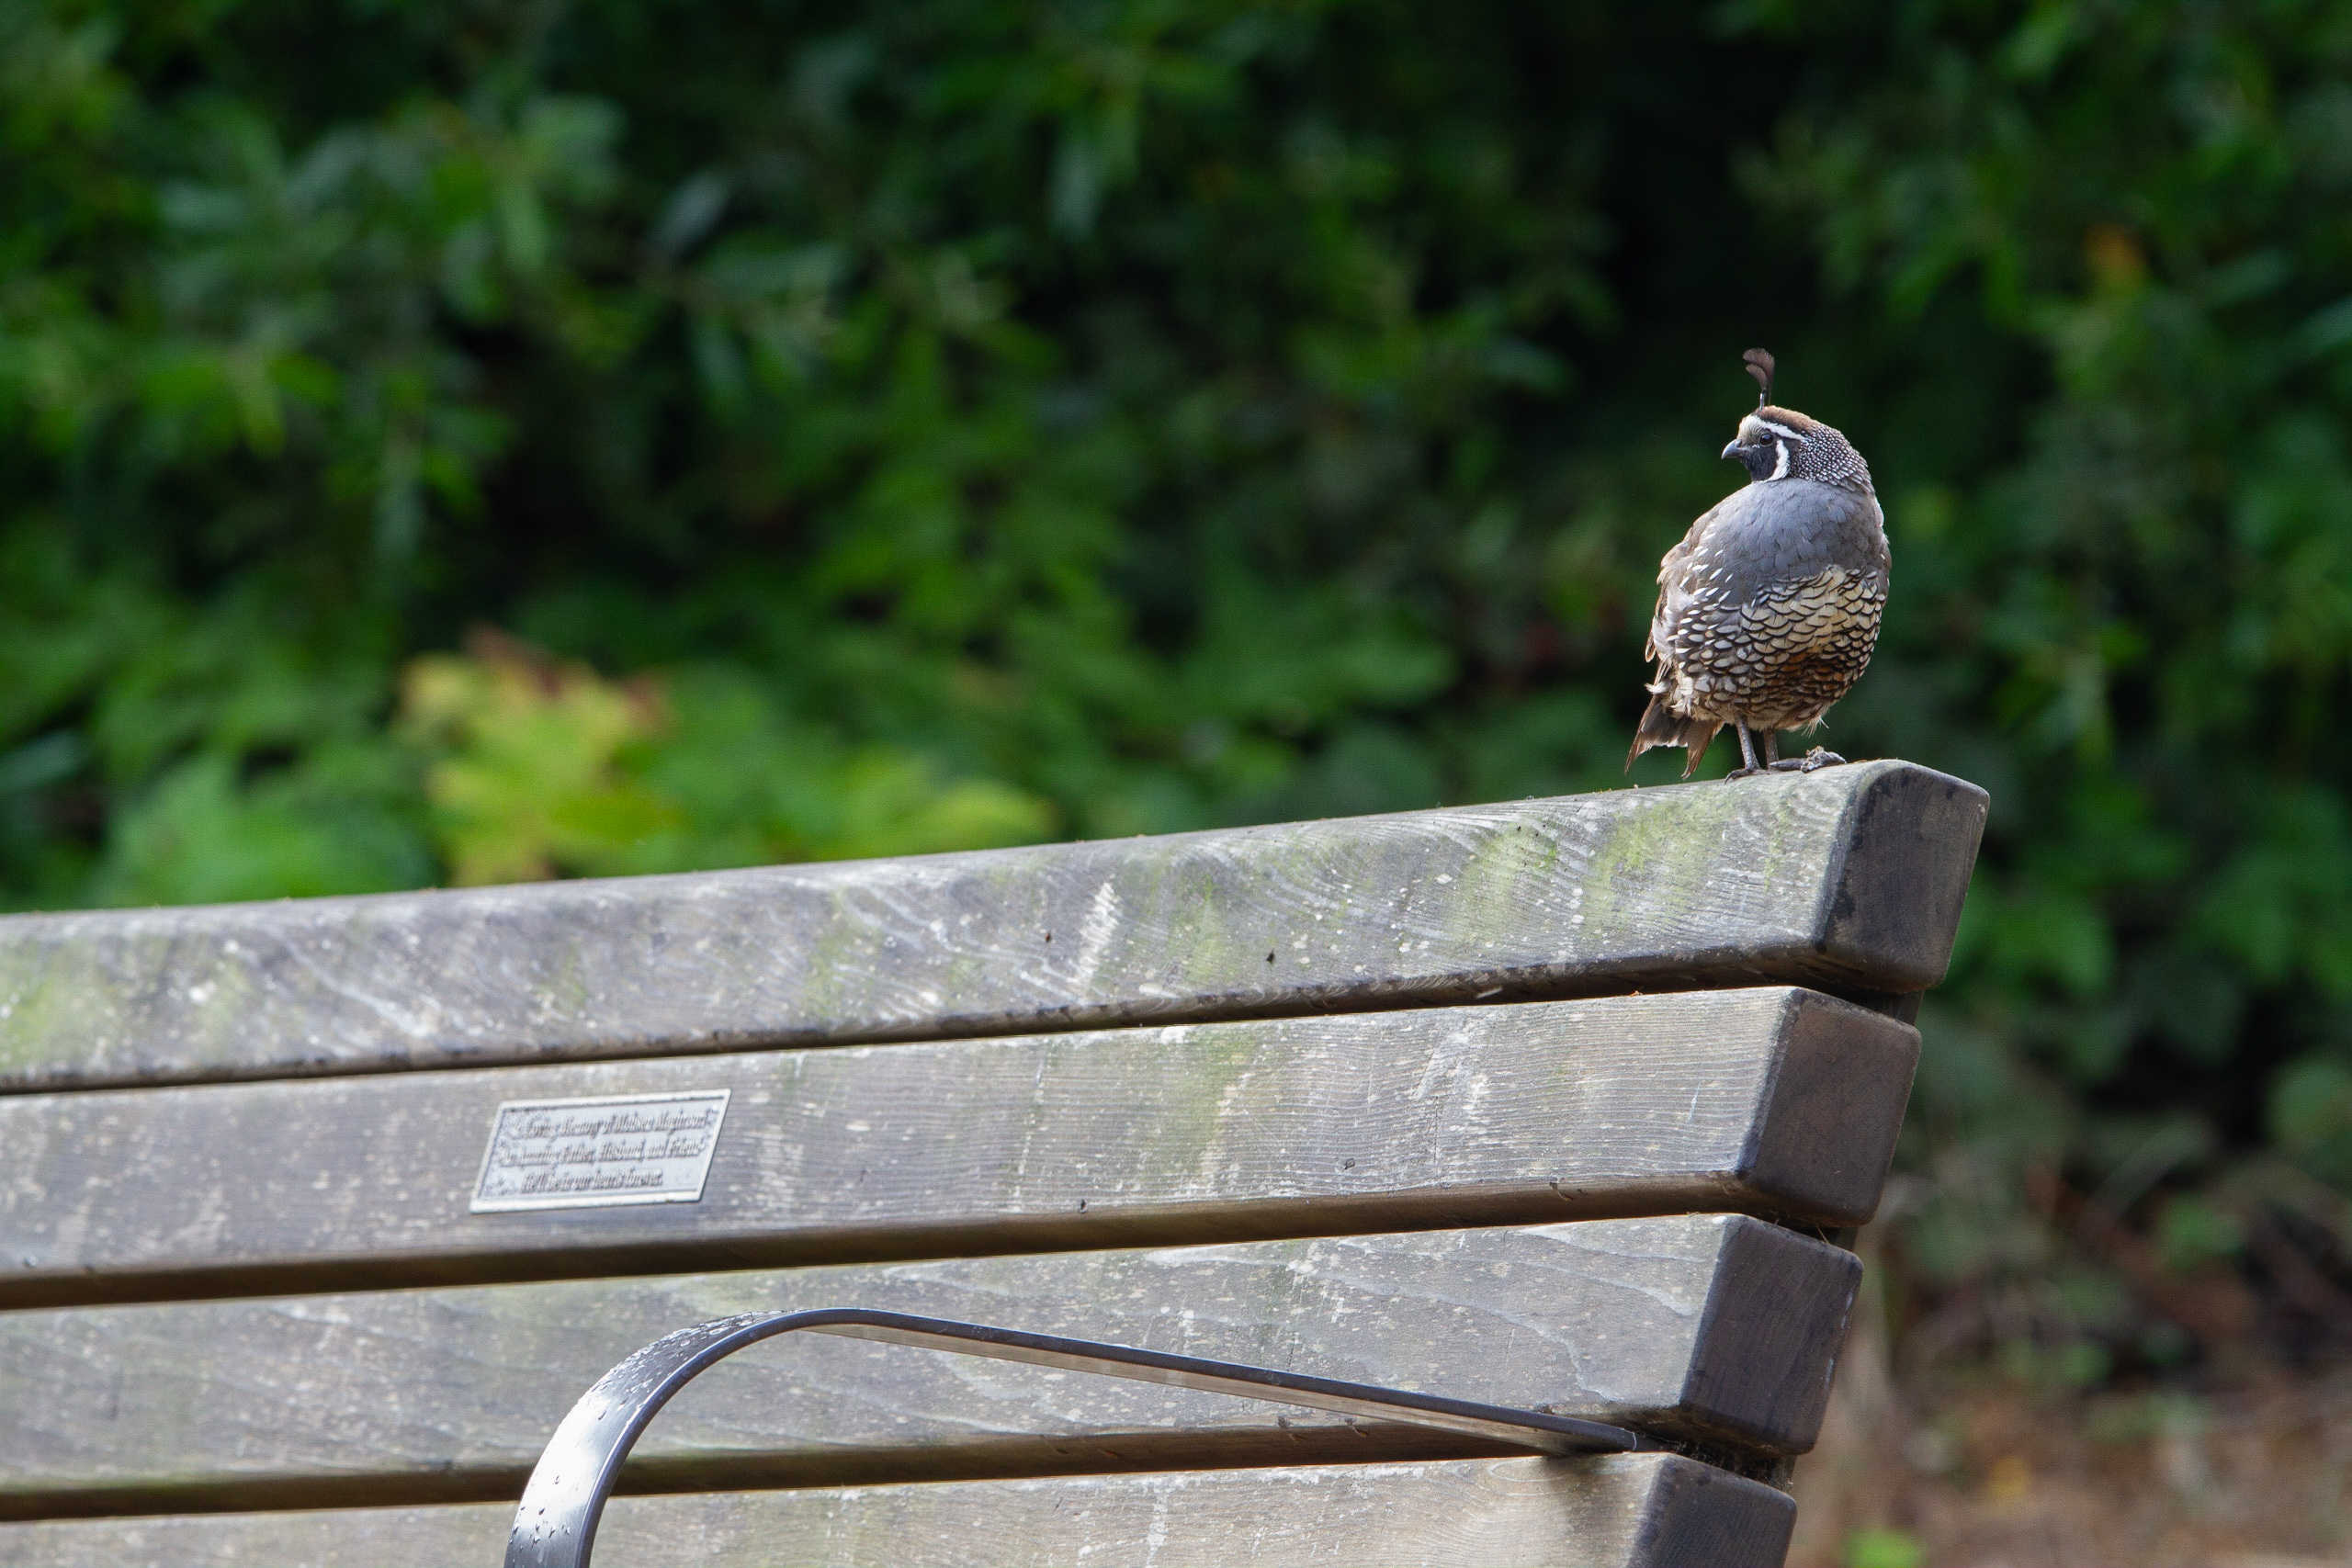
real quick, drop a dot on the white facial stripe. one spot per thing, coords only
(1778, 429)
(1781, 468)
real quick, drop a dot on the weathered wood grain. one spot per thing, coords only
(1715, 1328)
(1771, 1100)
(1652, 1510)
(1849, 878)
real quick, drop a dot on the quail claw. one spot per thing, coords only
(1812, 762)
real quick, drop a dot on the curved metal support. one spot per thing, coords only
(556, 1523)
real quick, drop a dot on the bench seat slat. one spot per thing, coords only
(1850, 879)
(1654, 1510)
(1764, 1100)
(1718, 1328)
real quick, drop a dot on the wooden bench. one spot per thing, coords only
(1560, 1105)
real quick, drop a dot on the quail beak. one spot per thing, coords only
(1731, 449)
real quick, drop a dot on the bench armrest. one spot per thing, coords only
(556, 1525)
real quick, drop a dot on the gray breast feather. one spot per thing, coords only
(1754, 538)
(1772, 533)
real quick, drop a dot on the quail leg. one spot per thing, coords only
(1747, 754)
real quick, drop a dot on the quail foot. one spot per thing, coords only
(1768, 608)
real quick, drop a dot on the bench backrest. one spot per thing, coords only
(1546, 1105)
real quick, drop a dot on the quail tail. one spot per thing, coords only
(1661, 727)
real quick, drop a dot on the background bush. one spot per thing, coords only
(475, 439)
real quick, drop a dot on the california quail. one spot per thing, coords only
(1768, 608)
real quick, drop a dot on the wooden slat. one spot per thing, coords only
(1654, 1510)
(1850, 878)
(1715, 1328)
(1764, 1100)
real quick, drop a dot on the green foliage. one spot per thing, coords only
(966, 420)
(1883, 1548)
(530, 780)
(2311, 1115)
(541, 768)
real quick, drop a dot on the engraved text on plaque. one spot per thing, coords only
(587, 1153)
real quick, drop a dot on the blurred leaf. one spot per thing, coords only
(1883, 1549)
(543, 767)
(2192, 1231)
(2310, 1116)
(341, 823)
(527, 778)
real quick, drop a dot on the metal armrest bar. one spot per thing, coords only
(556, 1525)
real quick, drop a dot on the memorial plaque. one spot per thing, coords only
(604, 1151)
